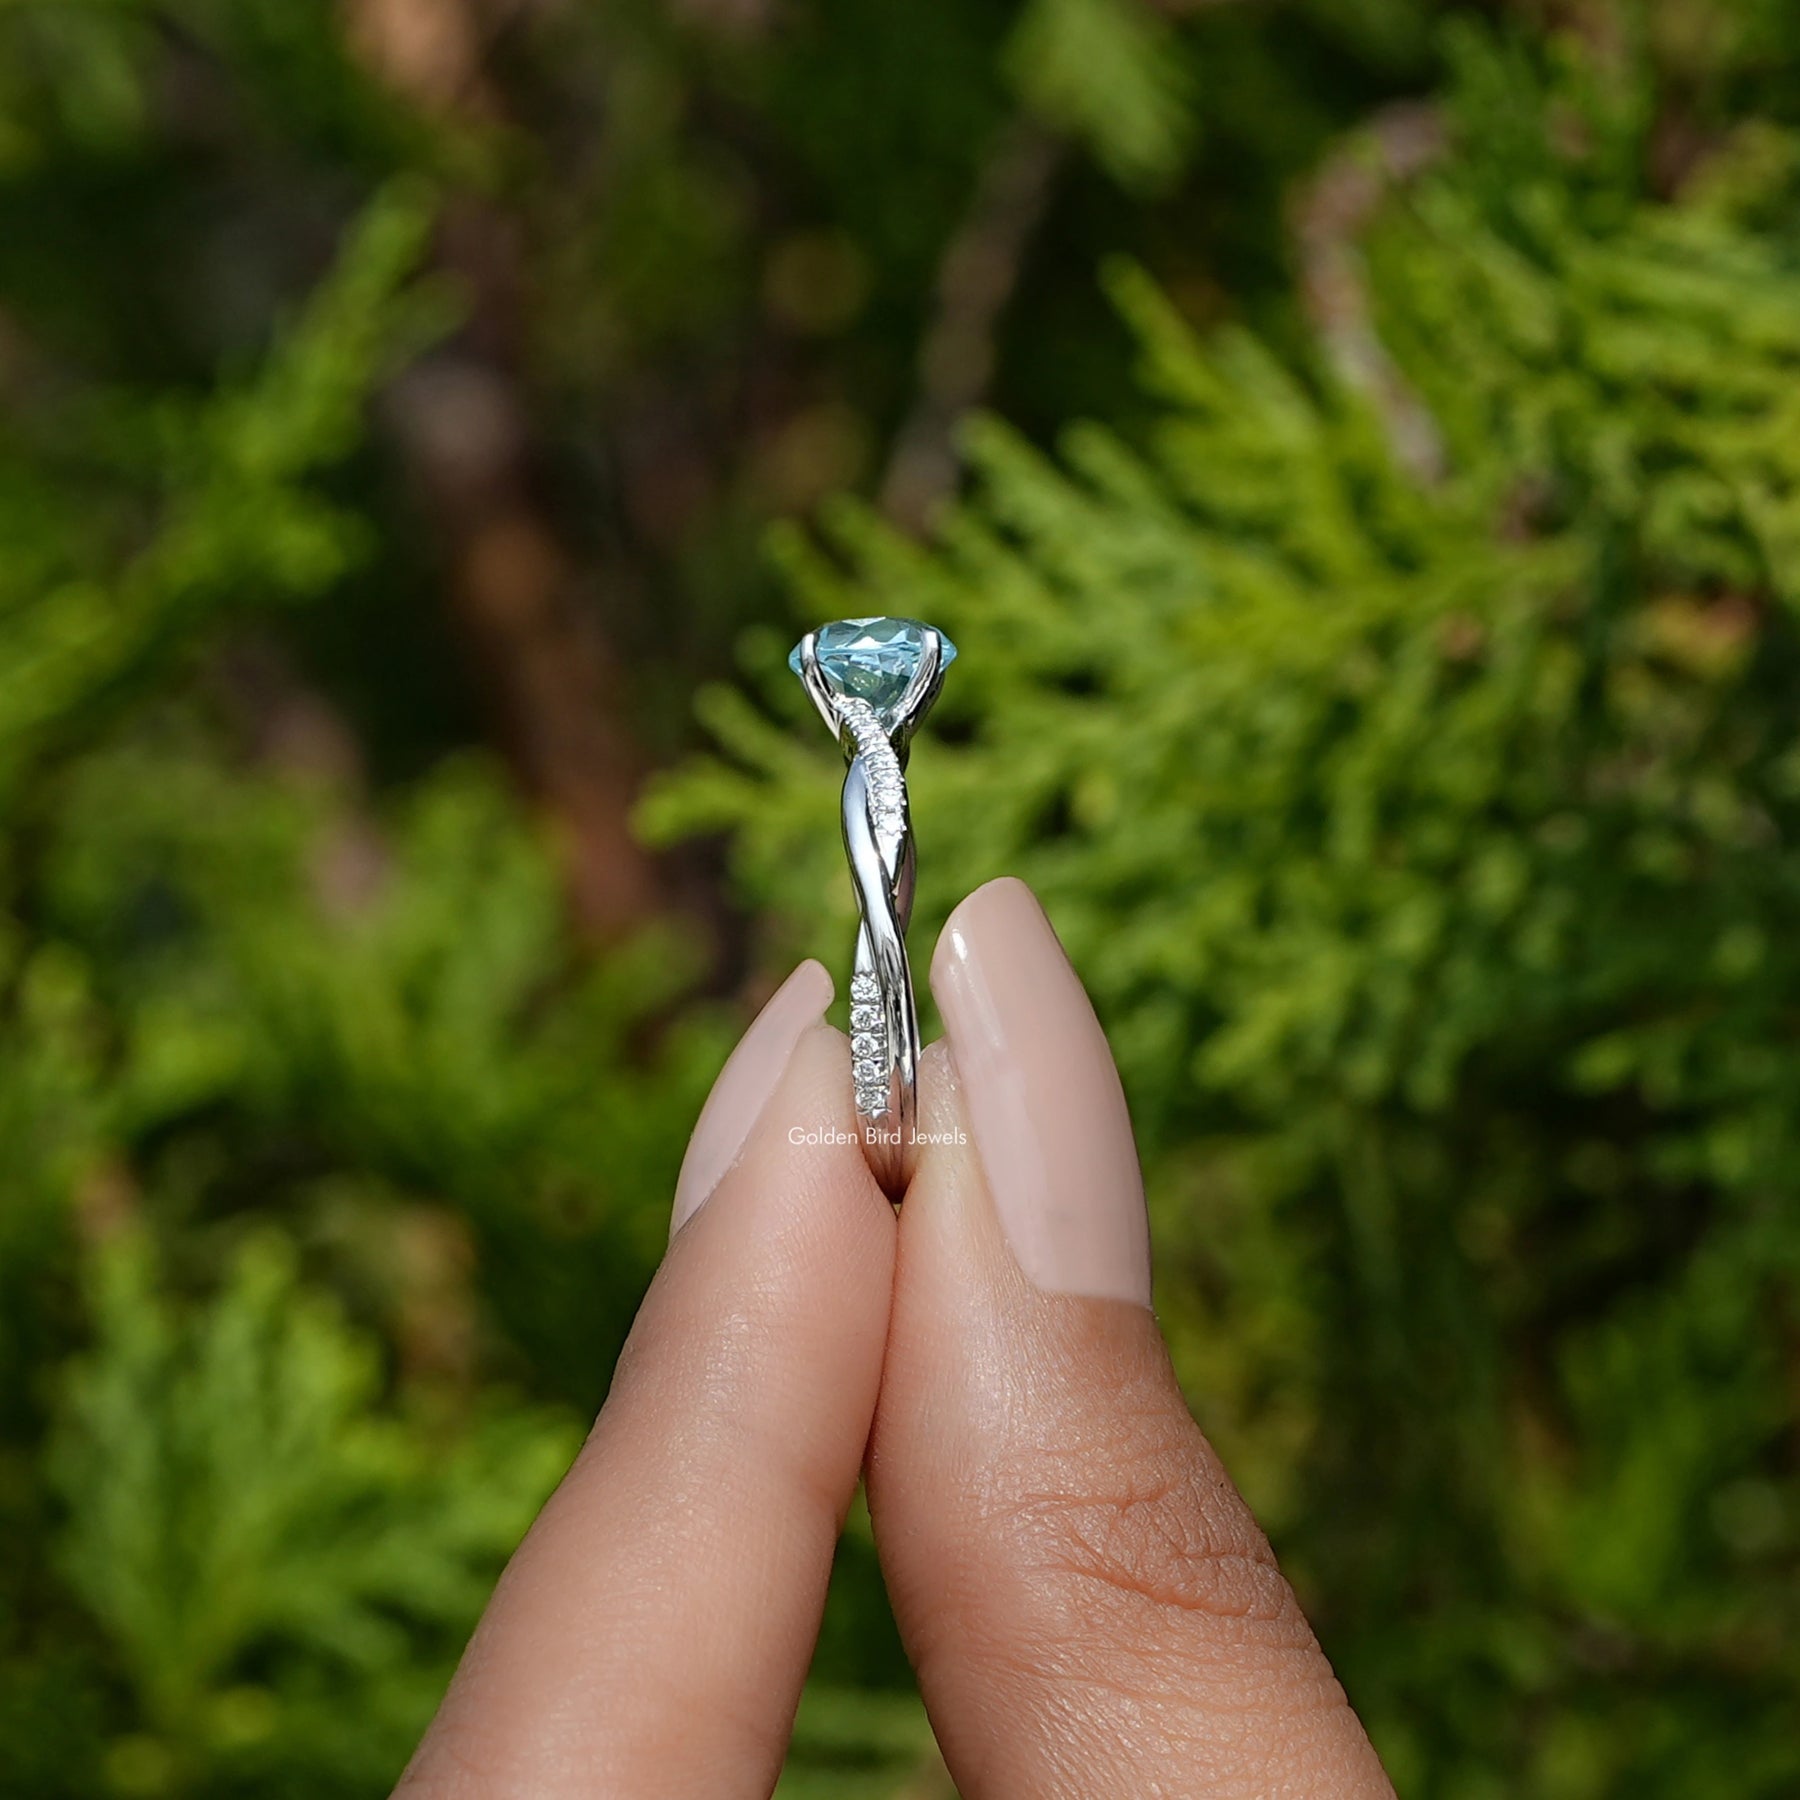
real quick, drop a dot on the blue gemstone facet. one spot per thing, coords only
(872, 659)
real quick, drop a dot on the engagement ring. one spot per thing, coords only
(873, 680)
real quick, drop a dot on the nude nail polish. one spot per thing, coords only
(750, 1076)
(1046, 1110)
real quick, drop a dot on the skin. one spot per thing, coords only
(1092, 1611)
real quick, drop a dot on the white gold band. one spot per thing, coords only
(878, 840)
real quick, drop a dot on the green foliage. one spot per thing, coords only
(1110, 72)
(284, 1569)
(280, 1527)
(283, 1063)
(221, 488)
(1426, 844)
(853, 1744)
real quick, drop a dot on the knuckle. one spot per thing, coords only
(1148, 1521)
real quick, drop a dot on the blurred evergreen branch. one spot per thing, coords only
(1112, 73)
(284, 1569)
(213, 509)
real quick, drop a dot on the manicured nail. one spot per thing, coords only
(1045, 1106)
(751, 1074)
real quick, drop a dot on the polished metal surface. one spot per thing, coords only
(878, 841)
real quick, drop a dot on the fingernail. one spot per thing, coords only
(751, 1074)
(1046, 1109)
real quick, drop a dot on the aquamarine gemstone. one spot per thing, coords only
(872, 659)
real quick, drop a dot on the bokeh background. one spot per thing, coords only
(1357, 449)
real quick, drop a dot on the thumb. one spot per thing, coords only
(1091, 1608)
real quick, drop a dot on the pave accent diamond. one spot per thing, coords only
(887, 788)
(868, 1065)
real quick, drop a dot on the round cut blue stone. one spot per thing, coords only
(872, 659)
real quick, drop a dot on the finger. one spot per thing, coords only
(1090, 1606)
(652, 1633)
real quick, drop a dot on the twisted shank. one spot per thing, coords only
(884, 1023)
